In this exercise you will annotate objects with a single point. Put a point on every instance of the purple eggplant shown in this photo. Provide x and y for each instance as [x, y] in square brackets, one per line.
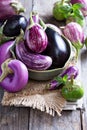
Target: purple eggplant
[58, 48]
[67, 74]
[13, 76]
[13, 25]
[5, 51]
[74, 32]
[32, 60]
[36, 37]
[70, 71]
[9, 8]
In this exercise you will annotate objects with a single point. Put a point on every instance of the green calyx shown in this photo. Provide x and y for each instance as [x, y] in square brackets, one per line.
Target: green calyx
[5, 69]
[78, 45]
[3, 38]
[63, 10]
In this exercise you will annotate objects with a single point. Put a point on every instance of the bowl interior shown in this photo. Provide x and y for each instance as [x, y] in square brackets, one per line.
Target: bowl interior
[49, 74]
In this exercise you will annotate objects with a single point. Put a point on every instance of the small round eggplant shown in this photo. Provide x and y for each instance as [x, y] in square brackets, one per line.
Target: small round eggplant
[72, 91]
[14, 25]
[58, 48]
[16, 78]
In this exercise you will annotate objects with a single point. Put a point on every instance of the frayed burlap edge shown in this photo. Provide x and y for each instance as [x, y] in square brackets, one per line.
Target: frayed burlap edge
[36, 96]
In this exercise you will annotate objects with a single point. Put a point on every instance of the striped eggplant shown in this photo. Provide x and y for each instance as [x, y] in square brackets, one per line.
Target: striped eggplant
[32, 60]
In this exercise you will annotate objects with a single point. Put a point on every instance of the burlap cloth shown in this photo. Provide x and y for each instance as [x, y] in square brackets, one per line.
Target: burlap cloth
[35, 95]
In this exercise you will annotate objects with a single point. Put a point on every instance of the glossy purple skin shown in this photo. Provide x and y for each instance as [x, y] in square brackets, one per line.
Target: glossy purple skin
[18, 80]
[5, 51]
[73, 31]
[84, 2]
[54, 27]
[32, 60]
[5, 9]
[71, 71]
[36, 39]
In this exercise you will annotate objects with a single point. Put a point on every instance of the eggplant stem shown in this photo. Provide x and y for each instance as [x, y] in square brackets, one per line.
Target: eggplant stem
[72, 79]
[18, 7]
[62, 2]
[31, 22]
[5, 69]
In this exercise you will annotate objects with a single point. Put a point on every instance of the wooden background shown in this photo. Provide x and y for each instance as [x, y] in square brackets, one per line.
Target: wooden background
[12, 118]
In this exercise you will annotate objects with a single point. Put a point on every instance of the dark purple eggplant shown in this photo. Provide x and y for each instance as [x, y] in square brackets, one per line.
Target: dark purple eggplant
[58, 48]
[14, 25]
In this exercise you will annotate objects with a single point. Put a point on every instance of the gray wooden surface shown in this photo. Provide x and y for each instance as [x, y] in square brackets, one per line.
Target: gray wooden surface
[12, 118]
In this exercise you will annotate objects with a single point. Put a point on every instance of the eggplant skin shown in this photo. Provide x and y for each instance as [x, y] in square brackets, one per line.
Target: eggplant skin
[14, 24]
[58, 48]
[32, 60]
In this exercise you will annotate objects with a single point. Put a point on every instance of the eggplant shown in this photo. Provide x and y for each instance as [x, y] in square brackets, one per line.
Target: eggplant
[35, 36]
[70, 72]
[13, 75]
[58, 48]
[32, 60]
[9, 8]
[14, 25]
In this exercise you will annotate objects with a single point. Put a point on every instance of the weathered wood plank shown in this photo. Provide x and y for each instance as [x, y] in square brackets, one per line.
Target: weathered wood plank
[84, 81]
[41, 121]
[12, 118]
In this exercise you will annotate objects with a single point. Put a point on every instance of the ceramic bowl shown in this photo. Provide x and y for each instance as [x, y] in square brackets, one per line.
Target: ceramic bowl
[50, 74]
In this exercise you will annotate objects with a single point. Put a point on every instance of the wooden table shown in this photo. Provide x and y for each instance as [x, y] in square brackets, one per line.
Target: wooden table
[13, 118]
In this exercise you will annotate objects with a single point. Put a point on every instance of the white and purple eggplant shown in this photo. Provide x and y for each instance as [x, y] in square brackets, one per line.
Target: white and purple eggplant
[36, 18]
[35, 37]
[13, 75]
[32, 60]
[9, 8]
[67, 74]
[74, 32]
[5, 51]
[84, 3]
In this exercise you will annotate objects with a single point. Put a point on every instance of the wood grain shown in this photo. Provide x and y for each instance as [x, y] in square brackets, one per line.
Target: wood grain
[70, 120]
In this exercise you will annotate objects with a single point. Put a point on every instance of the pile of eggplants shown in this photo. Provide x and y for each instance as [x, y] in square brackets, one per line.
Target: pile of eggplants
[32, 45]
